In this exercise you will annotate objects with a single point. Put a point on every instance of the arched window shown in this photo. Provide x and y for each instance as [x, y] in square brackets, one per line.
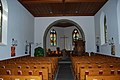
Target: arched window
[105, 28]
[53, 38]
[1, 11]
[3, 22]
[118, 16]
[75, 35]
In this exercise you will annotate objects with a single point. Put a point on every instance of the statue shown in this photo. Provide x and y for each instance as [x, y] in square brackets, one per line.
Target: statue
[112, 46]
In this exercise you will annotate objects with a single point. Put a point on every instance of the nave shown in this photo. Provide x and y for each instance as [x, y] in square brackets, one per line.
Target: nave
[65, 72]
[93, 67]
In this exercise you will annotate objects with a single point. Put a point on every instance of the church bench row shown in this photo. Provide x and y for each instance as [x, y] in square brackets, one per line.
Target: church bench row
[52, 68]
[30, 66]
[30, 61]
[94, 65]
[50, 63]
[92, 62]
[53, 61]
[98, 72]
[37, 60]
[26, 72]
[34, 59]
[96, 55]
[100, 66]
[14, 59]
[27, 66]
[94, 58]
[90, 66]
[7, 77]
[102, 77]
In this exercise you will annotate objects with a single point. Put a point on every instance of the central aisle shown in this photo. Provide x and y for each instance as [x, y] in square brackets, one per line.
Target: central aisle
[65, 72]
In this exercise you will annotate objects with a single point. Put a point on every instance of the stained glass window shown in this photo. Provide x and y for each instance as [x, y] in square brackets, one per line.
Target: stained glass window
[105, 29]
[1, 10]
[75, 35]
[53, 38]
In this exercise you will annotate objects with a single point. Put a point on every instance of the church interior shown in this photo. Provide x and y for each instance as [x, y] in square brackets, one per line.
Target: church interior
[59, 39]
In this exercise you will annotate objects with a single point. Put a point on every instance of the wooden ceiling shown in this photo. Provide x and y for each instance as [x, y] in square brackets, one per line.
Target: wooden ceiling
[47, 8]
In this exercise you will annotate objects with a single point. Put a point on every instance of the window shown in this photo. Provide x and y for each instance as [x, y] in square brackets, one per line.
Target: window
[75, 35]
[105, 29]
[1, 11]
[118, 16]
[3, 22]
[53, 38]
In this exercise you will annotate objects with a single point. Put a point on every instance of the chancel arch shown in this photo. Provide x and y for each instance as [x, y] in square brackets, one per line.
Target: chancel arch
[64, 29]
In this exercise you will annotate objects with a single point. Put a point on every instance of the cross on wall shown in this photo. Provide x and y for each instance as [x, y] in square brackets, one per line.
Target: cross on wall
[64, 38]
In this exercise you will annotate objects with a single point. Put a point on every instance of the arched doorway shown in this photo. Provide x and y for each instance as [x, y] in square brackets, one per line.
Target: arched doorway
[70, 22]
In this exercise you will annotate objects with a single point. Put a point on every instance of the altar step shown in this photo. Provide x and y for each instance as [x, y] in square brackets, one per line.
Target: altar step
[64, 60]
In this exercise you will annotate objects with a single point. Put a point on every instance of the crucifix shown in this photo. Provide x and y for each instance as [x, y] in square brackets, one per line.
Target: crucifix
[64, 37]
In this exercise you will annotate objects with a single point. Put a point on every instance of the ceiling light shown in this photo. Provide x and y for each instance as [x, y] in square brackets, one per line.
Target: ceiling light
[51, 12]
[76, 11]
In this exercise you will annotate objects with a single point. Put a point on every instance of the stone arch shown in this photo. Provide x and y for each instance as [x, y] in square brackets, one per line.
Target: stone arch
[57, 21]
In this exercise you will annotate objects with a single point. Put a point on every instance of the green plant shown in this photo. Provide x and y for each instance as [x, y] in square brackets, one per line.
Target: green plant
[39, 51]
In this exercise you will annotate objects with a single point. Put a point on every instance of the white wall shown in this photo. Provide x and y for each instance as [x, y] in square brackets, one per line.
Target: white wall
[110, 9]
[20, 27]
[86, 23]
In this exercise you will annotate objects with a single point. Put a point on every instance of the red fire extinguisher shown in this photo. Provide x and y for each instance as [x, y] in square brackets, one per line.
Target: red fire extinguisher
[13, 47]
[12, 50]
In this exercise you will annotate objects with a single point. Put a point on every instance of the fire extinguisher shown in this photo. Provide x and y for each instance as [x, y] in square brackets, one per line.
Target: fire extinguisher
[12, 50]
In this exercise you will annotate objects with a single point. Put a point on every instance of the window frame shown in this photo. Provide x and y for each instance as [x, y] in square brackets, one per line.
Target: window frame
[1, 20]
[53, 37]
[4, 22]
[73, 40]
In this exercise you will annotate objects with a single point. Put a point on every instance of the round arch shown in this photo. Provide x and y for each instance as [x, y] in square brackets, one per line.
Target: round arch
[57, 21]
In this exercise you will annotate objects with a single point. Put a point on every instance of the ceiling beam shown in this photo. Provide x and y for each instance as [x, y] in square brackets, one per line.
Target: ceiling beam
[86, 0]
[59, 1]
[41, 1]
[52, 15]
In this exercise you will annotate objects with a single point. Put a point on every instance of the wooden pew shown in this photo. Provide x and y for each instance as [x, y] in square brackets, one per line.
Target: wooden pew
[30, 66]
[95, 61]
[50, 62]
[26, 72]
[112, 77]
[100, 66]
[34, 63]
[13, 77]
[98, 72]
